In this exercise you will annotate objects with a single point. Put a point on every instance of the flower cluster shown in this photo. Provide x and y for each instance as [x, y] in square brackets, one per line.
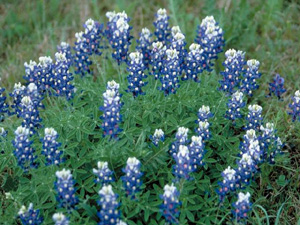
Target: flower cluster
[194, 63]
[228, 184]
[44, 79]
[103, 173]
[242, 206]
[254, 118]
[118, 35]
[132, 179]
[162, 29]
[144, 46]
[23, 150]
[65, 48]
[171, 204]
[203, 129]
[30, 114]
[183, 166]
[17, 95]
[50, 147]
[246, 168]
[81, 59]
[157, 58]
[178, 43]
[111, 117]
[62, 76]
[65, 189]
[31, 71]
[295, 106]
[277, 86]
[197, 152]
[109, 213]
[211, 38]
[250, 76]
[170, 72]
[136, 74]
[181, 139]
[235, 104]
[234, 63]
[158, 136]
[60, 219]
[3, 105]
[29, 216]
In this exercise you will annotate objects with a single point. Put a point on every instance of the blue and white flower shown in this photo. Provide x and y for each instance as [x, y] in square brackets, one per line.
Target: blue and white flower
[30, 216]
[103, 173]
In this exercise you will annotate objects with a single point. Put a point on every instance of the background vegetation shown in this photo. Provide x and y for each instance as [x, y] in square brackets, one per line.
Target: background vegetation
[268, 31]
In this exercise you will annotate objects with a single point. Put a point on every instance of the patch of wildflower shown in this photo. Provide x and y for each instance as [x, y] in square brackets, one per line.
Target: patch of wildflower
[211, 38]
[184, 164]
[23, 152]
[136, 75]
[44, 80]
[235, 104]
[242, 206]
[30, 216]
[234, 63]
[229, 183]
[93, 34]
[204, 113]
[64, 187]
[194, 63]
[170, 73]
[132, 178]
[157, 59]
[295, 106]
[109, 213]
[197, 152]
[277, 86]
[170, 206]
[111, 117]
[103, 173]
[181, 138]
[60, 219]
[144, 46]
[158, 136]
[81, 58]
[254, 117]
[249, 137]
[161, 24]
[246, 168]
[178, 43]
[250, 77]
[203, 130]
[17, 95]
[50, 147]
[111, 23]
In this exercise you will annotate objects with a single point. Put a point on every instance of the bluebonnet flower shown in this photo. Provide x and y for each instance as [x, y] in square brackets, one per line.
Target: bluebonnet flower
[181, 139]
[229, 183]
[178, 43]
[103, 173]
[170, 206]
[197, 152]
[121, 40]
[267, 136]
[162, 29]
[254, 118]
[60, 219]
[23, 152]
[157, 59]
[158, 136]
[29, 216]
[255, 151]
[30, 114]
[17, 95]
[3, 105]
[31, 72]
[34, 94]
[109, 213]
[204, 113]
[242, 206]
[184, 164]
[132, 178]
[44, 80]
[111, 24]
[65, 189]
[136, 75]
[203, 130]
[144, 46]
[170, 72]
[62, 77]
[211, 38]
[50, 147]
[234, 63]
[65, 48]
[277, 86]
[93, 36]
[194, 63]
[250, 76]
[295, 106]
[276, 150]
[246, 168]
[111, 117]
[249, 137]
[235, 104]
[81, 58]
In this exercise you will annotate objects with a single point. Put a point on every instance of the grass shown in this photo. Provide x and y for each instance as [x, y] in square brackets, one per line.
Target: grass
[268, 31]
